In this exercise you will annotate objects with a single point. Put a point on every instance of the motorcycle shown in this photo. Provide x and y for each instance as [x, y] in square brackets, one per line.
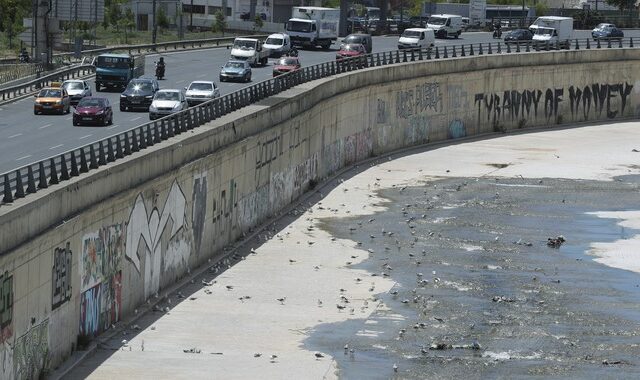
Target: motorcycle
[159, 71]
[497, 32]
[24, 57]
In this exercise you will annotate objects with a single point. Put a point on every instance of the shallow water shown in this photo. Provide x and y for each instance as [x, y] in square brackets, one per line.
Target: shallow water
[535, 311]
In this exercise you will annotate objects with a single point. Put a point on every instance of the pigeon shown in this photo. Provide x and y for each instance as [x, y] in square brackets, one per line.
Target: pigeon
[318, 355]
[340, 307]
[282, 300]
[257, 355]
[346, 348]
[395, 366]
[229, 287]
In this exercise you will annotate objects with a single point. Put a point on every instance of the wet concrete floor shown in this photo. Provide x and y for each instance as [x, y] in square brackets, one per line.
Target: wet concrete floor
[478, 292]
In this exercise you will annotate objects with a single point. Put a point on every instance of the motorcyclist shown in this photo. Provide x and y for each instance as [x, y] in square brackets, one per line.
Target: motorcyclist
[24, 56]
[160, 66]
[497, 30]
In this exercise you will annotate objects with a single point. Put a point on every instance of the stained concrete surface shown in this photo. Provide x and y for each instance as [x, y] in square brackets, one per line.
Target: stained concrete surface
[497, 301]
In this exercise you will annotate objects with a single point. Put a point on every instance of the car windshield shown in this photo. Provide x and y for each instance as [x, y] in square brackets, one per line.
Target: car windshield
[288, 61]
[544, 31]
[113, 62]
[50, 93]
[139, 86]
[437, 20]
[604, 26]
[201, 87]
[244, 44]
[274, 41]
[353, 40]
[411, 34]
[86, 102]
[73, 86]
[167, 95]
[299, 26]
[234, 65]
[351, 47]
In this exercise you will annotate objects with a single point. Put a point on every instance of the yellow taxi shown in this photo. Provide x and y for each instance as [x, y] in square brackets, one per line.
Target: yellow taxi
[52, 99]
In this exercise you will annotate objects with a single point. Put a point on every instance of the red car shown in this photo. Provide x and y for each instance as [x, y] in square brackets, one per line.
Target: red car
[285, 65]
[350, 51]
[93, 111]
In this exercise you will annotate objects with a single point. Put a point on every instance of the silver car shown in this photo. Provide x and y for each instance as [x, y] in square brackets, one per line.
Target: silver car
[201, 91]
[77, 89]
[166, 102]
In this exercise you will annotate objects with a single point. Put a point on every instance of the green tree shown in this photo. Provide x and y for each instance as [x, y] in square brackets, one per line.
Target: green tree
[127, 23]
[257, 23]
[220, 23]
[622, 4]
[541, 9]
[163, 20]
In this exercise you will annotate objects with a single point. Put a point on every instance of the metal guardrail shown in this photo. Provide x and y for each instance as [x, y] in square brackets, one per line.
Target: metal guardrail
[55, 169]
[11, 72]
[11, 92]
[161, 46]
[22, 89]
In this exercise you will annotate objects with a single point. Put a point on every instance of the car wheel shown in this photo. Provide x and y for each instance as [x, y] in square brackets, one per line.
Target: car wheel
[122, 108]
[35, 112]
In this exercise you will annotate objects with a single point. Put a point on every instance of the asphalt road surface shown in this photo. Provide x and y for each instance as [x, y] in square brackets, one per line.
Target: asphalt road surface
[26, 138]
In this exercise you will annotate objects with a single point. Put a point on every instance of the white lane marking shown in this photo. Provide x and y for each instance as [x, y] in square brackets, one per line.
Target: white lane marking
[136, 118]
[113, 126]
[14, 136]
[56, 147]
[70, 117]
[180, 81]
[84, 137]
[23, 158]
[45, 126]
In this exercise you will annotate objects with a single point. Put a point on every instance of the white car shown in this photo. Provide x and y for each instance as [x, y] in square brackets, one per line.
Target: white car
[278, 43]
[201, 91]
[77, 89]
[166, 102]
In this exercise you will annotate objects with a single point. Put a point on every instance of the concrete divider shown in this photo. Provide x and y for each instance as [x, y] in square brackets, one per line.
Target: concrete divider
[78, 257]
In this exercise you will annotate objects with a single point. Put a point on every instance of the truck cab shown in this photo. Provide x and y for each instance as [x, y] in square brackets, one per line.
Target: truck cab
[250, 50]
[313, 26]
[116, 70]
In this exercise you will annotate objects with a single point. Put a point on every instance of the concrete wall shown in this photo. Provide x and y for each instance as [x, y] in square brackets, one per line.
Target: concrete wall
[78, 257]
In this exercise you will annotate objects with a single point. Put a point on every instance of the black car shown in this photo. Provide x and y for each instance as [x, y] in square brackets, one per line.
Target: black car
[607, 32]
[138, 94]
[518, 36]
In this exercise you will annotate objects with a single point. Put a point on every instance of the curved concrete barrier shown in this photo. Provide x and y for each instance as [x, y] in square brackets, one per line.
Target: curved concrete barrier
[78, 257]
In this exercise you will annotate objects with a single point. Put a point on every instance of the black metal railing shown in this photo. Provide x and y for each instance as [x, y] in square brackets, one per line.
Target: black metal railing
[28, 179]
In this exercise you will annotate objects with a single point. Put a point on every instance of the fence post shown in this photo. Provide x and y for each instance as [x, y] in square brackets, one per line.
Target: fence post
[19, 187]
[8, 196]
[42, 180]
[53, 173]
[31, 182]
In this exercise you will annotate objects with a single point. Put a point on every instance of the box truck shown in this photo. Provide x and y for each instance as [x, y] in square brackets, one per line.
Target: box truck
[313, 26]
[552, 30]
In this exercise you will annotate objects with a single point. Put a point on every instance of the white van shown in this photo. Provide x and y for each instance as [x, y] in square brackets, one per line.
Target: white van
[278, 43]
[416, 38]
[445, 25]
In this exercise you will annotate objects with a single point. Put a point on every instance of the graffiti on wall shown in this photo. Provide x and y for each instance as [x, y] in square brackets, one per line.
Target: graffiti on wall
[101, 279]
[425, 97]
[6, 306]
[145, 231]
[457, 98]
[381, 112]
[417, 129]
[456, 129]
[61, 276]
[101, 306]
[30, 352]
[199, 208]
[585, 102]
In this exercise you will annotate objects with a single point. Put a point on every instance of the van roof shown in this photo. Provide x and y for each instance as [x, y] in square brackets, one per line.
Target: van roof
[446, 15]
[417, 29]
[555, 18]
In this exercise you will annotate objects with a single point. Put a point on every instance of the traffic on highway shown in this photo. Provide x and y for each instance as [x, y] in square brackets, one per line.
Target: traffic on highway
[38, 128]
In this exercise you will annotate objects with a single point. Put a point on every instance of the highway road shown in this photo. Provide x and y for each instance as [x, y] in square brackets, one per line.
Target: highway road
[26, 138]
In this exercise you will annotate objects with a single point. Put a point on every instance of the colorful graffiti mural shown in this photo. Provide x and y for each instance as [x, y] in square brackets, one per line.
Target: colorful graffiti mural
[100, 301]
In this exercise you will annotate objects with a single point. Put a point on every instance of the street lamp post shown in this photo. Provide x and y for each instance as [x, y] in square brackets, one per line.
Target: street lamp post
[154, 32]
